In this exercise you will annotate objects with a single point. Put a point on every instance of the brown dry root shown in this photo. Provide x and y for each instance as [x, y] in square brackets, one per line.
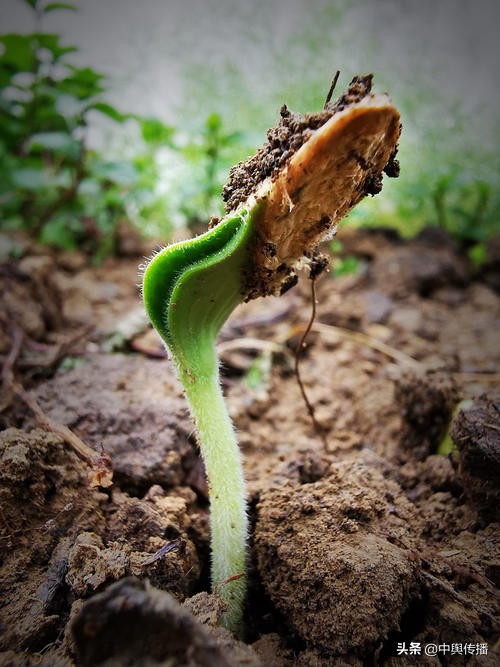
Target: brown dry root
[312, 171]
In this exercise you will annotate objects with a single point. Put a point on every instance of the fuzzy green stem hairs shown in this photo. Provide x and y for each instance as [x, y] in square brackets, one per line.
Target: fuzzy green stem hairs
[190, 289]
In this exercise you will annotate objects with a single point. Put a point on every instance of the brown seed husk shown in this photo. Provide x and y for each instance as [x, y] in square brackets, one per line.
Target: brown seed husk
[344, 150]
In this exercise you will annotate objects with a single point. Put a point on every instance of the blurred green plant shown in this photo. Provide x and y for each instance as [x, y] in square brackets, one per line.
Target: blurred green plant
[343, 264]
[53, 184]
[64, 192]
[201, 156]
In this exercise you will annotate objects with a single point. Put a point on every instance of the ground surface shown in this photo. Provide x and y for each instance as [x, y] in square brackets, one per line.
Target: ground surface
[363, 539]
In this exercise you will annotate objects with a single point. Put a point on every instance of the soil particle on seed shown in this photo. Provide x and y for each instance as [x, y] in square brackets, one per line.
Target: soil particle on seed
[326, 561]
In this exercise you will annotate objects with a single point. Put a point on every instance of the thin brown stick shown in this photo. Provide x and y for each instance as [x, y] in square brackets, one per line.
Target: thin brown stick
[310, 408]
[368, 341]
[99, 462]
[224, 582]
[54, 352]
[332, 88]
[165, 549]
[250, 343]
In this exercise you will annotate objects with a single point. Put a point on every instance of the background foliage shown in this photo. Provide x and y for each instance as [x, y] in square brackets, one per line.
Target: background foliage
[70, 191]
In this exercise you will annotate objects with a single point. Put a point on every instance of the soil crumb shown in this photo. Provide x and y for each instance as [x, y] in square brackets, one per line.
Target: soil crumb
[333, 591]
[476, 432]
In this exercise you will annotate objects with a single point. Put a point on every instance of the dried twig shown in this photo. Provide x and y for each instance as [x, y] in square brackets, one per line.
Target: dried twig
[331, 331]
[55, 352]
[165, 549]
[249, 343]
[99, 462]
[224, 582]
[473, 376]
[332, 88]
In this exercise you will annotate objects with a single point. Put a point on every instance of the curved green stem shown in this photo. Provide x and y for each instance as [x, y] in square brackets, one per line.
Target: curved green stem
[190, 289]
[228, 518]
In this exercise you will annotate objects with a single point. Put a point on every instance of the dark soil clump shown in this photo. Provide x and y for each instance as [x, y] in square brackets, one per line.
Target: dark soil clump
[476, 432]
[358, 573]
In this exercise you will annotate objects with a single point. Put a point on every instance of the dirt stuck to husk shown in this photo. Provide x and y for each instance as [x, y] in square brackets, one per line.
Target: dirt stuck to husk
[311, 172]
[289, 134]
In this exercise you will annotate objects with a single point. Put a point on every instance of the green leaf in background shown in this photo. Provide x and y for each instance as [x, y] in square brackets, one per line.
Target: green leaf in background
[117, 172]
[70, 106]
[62, 232]
[18, 51]
[60, 143]
[213, 122]
[109, 111]
[53, 6]
[52, 43]
[83, 82]
[153, 131]
[31, 178]
[478, 254]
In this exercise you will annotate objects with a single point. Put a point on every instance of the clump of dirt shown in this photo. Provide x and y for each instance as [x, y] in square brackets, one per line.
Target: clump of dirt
[346, 594]
[131, 408]
[74, 540]
[44, 497]
[30, 297]
[427, 401]
[404, 271]
[134, 623]
[476, 433]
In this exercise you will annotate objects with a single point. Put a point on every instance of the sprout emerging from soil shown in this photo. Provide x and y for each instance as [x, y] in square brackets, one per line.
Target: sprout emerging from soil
[281, 204]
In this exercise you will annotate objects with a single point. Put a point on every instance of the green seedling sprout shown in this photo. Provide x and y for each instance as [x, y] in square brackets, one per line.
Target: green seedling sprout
[190, 289]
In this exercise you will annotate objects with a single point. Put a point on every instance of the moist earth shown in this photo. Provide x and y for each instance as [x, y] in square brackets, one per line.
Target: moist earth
[378, 533]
